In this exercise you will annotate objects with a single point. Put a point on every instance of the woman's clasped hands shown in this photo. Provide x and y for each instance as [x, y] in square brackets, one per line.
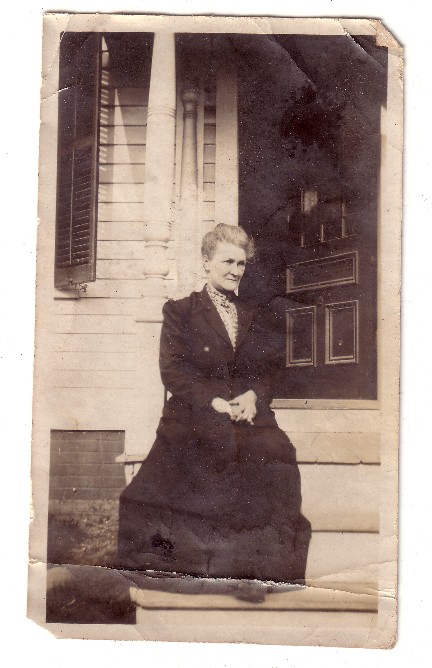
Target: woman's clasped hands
[241, 408]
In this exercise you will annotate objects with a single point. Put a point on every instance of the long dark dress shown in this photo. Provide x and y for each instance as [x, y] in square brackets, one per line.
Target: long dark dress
[216, 498]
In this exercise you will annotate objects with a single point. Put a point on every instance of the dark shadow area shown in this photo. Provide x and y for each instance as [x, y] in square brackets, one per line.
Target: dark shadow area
[88, 595]
[83, 586]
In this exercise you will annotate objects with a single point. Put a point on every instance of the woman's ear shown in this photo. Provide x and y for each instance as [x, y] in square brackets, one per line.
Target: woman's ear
[205, 261]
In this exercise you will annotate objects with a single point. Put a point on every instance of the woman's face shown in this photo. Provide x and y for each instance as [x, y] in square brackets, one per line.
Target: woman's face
[226, 267]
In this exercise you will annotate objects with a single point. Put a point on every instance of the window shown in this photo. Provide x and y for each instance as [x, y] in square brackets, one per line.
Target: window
[77, 172]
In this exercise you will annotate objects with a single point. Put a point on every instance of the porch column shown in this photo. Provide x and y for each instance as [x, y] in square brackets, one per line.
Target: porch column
[159, 171]
[157, 218]
[188, 210]
[227, 159]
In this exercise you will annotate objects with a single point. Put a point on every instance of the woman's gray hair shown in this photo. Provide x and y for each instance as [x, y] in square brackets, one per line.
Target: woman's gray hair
[227, 234]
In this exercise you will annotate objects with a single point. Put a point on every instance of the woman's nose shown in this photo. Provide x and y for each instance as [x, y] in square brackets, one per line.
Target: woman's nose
[236, 271]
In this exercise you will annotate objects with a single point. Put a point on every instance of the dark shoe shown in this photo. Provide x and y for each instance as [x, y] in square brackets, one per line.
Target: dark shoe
[251, 592]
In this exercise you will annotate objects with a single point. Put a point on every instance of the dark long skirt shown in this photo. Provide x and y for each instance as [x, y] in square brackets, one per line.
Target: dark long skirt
[224, 502]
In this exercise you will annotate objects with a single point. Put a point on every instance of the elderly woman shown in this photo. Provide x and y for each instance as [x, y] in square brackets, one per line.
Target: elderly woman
[219, 493]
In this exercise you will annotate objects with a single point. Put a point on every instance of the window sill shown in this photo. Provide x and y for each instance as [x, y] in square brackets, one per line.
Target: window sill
[67, 293]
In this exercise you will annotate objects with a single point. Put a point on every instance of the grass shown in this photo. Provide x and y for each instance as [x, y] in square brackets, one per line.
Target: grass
[83, 585]
[83, 532]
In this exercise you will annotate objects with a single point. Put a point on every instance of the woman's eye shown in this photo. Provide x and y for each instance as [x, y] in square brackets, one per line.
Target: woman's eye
[239, 264]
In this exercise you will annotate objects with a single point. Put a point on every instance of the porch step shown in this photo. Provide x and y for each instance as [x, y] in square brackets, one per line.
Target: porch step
[271, 627]
[340, 598]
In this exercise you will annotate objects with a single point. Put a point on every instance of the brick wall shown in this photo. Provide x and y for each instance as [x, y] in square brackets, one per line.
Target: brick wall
[83, 466]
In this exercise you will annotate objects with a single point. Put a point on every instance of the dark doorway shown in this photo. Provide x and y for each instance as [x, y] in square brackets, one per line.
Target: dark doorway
[309, 145]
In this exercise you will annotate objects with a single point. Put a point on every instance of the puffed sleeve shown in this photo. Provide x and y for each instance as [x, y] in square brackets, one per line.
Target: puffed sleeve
[179, 375]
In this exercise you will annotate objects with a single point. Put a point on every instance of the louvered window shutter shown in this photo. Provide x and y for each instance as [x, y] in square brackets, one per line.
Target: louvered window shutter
[77, 175]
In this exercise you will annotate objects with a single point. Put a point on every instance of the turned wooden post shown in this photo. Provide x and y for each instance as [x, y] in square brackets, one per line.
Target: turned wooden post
[188, 209]
[159, 169]
[157, 218]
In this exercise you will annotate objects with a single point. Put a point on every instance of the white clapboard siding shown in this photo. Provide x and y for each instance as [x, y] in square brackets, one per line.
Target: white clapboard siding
[208, 209]
[120, 230]
[209, 133]
[122, 154]
[124, 96]
[121, 211]
[121, 250]
[209, 154]
[126, 269]
[123, 134]
[341, 555]
[85, 342]
[209, 157]
[122, 173]
[121, 192]
[102, 378]
[136, 115]
[210, 115]
[331, 447]
[341, 496]
[209, 173]
[94, 342]
[117, 288]
[360, 579]
[120, 78]
[92, 361]
[89, 306]
[351, 420]
[94, 323]
[359, 521]
[208, 192]
[103, 408]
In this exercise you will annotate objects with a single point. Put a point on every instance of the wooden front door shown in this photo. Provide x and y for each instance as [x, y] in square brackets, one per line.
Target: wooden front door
[330, 299]
[309, 146]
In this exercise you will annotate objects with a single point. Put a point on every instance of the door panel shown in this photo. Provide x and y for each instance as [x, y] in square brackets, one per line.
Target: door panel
[331, 280]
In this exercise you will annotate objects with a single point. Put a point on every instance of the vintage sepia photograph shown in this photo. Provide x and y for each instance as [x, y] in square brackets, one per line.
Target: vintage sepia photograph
[216, 388]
